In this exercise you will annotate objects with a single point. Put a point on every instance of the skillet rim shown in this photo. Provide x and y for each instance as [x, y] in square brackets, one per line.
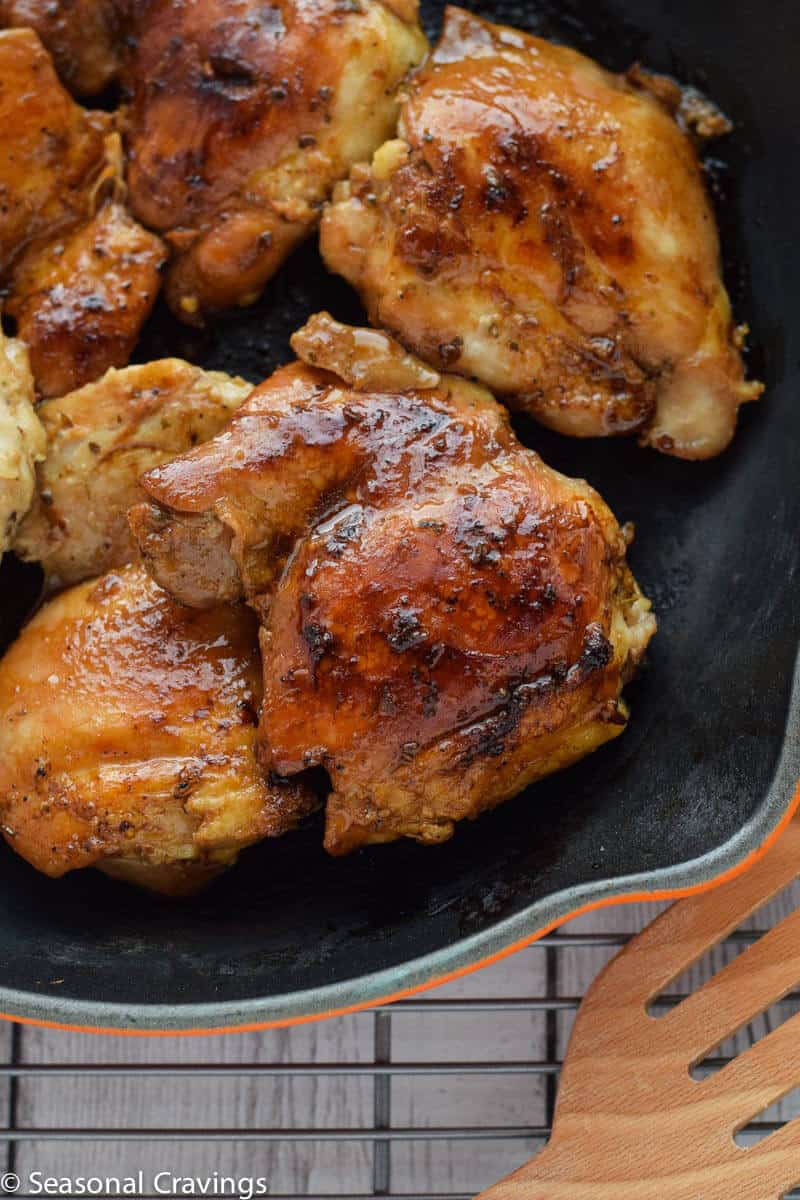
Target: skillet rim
[463, 956]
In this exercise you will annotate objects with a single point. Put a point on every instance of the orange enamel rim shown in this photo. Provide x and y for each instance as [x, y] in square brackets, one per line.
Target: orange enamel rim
[449, 977]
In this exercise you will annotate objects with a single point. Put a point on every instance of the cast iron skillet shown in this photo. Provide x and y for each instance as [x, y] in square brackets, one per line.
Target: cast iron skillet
[707, 768]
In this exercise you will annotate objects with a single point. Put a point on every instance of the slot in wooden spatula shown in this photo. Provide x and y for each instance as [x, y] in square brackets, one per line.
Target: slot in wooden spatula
[631, 1123]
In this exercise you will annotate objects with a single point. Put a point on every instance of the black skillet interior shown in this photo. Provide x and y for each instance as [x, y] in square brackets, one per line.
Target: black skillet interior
[717, 549]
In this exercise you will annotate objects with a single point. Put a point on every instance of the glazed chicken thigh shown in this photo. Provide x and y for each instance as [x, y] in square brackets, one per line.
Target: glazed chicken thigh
[79, 275]
[127, 738]
[444, 618]
[243, 114]
[542, 225]
[85, 37]
[100, 439]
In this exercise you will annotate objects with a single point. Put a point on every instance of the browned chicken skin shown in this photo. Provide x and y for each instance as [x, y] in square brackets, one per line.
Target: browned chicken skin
[100, 439]
[542, 225]
[444, 618]
[243, 115]
[127, 738]
[83, 36]
[79, 274]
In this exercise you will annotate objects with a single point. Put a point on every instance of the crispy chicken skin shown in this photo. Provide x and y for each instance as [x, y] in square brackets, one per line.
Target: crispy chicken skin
[243, 114]
[80, 275]
[100, 439]
[83, 36]
[22, 438]
[127, 737]
[542, 225]
[444, 618]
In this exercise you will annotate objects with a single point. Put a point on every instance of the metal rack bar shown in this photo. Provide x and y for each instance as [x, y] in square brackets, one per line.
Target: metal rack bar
[551, 1032]
[382, 1104]
[455, 1133]
[13, 1098]
[542, 1004]
[379, 1070]
[614, 941]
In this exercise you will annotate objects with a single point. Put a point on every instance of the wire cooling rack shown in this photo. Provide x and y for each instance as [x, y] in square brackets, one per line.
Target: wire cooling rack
[411, 1065]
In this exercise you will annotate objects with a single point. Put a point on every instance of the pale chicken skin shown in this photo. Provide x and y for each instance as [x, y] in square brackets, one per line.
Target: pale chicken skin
[100, 439]
[79, 275]
[85, 37]
[243, 114]
[542, 225]
[127, 738]
[22, 438]
[444, 619]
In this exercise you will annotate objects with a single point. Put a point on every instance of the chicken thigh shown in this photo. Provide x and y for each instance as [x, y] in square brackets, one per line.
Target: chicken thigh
[127, 737]
[22, 439]
[79, 274]
[243, 114]
[542, 226]
[85, 37]
[444, 618]
[99, 441]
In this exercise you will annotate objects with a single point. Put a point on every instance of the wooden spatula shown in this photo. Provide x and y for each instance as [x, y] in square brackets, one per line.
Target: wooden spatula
[631, 1123]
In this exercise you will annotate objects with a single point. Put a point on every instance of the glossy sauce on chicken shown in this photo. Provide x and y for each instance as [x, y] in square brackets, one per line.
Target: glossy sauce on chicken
[444, 618]
[77, 273]
[243, 114]
[85, 37]
[127, 737]
[542, 225]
